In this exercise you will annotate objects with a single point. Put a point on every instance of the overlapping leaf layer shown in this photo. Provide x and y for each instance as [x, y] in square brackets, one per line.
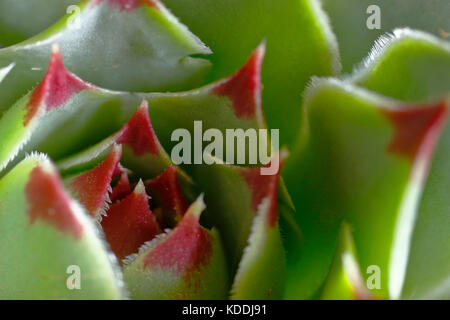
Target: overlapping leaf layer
[91, 197]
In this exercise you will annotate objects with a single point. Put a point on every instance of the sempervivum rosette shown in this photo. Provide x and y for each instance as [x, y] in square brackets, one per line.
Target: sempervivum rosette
[106, 191]
[146, 208]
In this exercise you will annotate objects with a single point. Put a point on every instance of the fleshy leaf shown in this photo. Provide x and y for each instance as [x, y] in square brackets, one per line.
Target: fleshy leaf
[344, 280]
[138, 133]
[121, 189]
[142, 150]
[299, 40]
[249, 222]
[101, 113]
[19, 122]
[92, 188]
[20, 20]
[408, 65]
[81, 120]
[220, 105]
[166, 194]
[4, 71]
[419, 62]
[428, 269]
[130, 5]
[357, 162]
[58, 86]
[358, 15]
[151, 42]
[262, 269]
[130, 223]
[186, 263]
[244, 87]
[48, 238]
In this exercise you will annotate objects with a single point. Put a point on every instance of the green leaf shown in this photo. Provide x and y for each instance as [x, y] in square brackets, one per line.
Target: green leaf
[349, 20]
[89, 173]
[45, 236]
[61, 121]
[363, 158]
[409, 65]
[142, 150]
[299, 44]
[344, 280]
[92, 188]
[4, 71]
[185, 263]
[428, 272]
[412, 66]
[20, 20]
[249, 226]
[142, 49]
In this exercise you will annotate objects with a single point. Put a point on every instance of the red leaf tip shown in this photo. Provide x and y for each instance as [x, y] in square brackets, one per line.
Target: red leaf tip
[186, 249]
[93, 186]
[244, 87]
[265, 187]
[58, 85]
[140, 188]
[416, 127]
[129, 5]
[138, 133]
[48, 201]
[130, 223]
[166, 193]
[196, 209]
[121, 189]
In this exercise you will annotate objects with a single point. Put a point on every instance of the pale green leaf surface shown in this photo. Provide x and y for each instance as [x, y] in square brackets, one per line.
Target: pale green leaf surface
[345, 169]
[349, 21]
[152, 52]
[36, 255]
[299, 44]
[38, 15]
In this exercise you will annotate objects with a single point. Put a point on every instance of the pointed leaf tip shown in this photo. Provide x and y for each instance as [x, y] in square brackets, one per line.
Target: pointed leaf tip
[92, 187]
[139, 134]
[49, 202]
[129, 5]
[166, 193]
[140, 188]
[345, 280]
[197, 207]
[416, 127]
[187, 248]
[121, 189]
[4, 71]
[58, 85]
[130, 223]
[265, 186]
[187, 262]
[244, 87]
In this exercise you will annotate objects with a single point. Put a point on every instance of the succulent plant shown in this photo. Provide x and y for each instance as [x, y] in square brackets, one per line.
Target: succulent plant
[88, 184]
